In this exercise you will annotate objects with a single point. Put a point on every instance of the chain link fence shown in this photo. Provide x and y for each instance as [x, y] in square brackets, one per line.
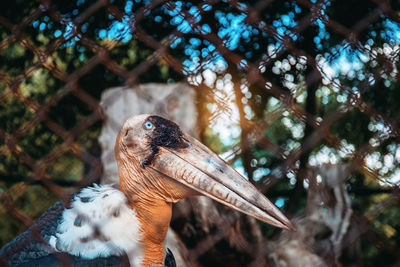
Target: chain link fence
[302, 87]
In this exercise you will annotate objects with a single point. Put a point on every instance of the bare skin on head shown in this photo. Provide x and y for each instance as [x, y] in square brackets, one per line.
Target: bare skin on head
[159, 165]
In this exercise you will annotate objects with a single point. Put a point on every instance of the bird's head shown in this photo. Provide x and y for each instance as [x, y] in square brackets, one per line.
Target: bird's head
[158, 162]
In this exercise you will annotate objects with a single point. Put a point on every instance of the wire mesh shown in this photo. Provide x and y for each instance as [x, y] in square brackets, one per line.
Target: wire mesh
[298, 100]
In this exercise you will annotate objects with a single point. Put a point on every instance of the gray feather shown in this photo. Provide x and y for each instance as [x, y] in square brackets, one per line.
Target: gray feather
[33, 243]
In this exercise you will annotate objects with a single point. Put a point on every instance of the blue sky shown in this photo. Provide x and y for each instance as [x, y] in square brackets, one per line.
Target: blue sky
[233, 28]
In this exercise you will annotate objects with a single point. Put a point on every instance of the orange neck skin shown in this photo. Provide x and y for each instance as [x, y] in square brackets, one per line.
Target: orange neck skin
[151, 196]
[153, 213]
[154, 218]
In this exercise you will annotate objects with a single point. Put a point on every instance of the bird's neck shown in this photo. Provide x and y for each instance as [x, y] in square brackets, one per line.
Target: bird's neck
[154, 217]
[151, 197]
[153, 213]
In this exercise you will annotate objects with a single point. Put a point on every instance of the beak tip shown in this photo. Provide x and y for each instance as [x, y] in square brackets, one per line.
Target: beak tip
[284, 222]
[290, 226]
[287, 227]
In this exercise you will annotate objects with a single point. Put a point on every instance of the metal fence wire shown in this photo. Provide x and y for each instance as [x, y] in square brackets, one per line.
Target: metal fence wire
[307, 88]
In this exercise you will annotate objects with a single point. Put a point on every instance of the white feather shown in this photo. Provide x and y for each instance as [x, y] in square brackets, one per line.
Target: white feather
[99, 224]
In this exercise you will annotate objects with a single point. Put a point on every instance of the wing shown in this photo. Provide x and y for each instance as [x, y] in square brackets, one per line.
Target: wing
[33, 243]
[54, 260]
[169, 259]
[64, 259]
[93, 225]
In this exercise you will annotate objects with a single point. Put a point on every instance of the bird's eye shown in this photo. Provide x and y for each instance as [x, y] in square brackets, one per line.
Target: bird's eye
[148, 125]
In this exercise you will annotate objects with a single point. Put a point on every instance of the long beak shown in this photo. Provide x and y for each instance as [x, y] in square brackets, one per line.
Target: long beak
[202, 170]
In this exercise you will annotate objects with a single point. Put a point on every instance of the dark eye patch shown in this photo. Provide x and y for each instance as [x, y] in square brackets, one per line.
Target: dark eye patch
[166, 134]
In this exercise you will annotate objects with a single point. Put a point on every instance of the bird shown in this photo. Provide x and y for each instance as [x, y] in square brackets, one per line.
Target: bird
[158, 165]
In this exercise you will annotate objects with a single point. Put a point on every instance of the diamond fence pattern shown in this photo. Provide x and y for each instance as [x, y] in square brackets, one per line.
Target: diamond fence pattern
[48, 130]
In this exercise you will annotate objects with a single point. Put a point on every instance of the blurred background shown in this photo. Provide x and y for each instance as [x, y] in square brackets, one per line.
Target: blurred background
[302, 97]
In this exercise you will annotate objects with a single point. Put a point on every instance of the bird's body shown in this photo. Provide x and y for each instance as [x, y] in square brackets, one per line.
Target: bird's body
[101, 226]
[93, 227]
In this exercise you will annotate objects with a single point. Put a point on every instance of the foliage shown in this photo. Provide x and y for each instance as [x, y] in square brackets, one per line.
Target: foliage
[373, 79]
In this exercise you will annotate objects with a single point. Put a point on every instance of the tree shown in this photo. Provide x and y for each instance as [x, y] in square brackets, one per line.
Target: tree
[281, 69]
